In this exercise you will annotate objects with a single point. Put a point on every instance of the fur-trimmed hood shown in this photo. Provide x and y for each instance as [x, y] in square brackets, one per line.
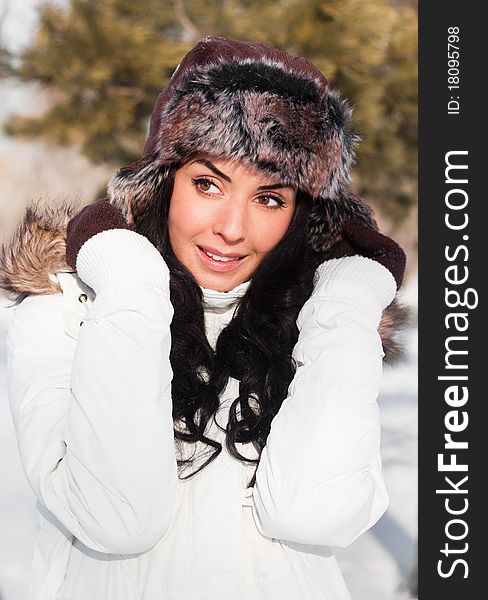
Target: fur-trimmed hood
[36, 249]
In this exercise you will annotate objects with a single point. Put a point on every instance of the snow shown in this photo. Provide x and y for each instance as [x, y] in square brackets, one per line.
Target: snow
[378, 566]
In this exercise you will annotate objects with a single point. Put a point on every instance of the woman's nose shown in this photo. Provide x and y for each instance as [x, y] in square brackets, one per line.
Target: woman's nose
[230, 222]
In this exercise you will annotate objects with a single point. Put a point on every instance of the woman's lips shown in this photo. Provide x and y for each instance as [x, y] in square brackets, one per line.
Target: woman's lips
[216, 265]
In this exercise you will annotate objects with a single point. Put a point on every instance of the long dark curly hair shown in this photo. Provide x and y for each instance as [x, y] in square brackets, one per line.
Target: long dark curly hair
[255, 347]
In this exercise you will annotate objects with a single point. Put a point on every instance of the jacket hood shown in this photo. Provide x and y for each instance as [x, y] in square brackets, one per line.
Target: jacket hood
[38, 248]
[35, 249]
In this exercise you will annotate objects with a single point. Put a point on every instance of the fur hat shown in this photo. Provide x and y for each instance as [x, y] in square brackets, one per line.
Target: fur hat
[258, 105]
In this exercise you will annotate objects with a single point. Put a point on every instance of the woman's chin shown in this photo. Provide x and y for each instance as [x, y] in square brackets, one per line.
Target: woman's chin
[218, 284]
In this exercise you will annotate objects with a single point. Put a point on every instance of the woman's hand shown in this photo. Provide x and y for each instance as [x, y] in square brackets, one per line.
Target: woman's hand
[360, 239]
[92, 219]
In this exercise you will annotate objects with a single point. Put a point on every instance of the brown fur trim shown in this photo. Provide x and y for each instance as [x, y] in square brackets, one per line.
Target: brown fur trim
[395, 321]
[327, 218]
[37, 248]
[135, 188]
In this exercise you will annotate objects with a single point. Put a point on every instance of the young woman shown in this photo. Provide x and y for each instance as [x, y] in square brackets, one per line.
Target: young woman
[194, 366]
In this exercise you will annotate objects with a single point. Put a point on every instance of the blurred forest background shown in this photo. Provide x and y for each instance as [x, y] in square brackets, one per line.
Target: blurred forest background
[98, 66]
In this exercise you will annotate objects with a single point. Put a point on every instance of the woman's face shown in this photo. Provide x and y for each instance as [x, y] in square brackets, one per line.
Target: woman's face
[229, 210]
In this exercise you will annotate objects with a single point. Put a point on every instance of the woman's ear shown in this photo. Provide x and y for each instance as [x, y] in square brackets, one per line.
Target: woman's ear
[133, 189]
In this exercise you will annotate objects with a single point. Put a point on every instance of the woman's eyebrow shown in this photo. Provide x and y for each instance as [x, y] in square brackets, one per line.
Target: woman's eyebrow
[212, 167]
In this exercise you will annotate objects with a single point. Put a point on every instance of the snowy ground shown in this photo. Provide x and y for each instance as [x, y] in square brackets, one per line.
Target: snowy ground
[377, 566]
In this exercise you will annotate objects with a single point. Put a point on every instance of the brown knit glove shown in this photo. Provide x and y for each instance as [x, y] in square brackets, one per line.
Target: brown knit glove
[92, 219]
[361, 239]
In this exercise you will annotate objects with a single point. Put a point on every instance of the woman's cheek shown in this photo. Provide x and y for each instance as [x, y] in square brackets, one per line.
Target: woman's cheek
[270, 231]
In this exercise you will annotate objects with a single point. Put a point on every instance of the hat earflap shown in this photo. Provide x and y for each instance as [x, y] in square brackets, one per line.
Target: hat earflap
[327, 217]
[133, 189]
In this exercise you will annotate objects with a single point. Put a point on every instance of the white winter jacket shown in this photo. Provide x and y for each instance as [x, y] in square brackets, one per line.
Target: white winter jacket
[90, 391]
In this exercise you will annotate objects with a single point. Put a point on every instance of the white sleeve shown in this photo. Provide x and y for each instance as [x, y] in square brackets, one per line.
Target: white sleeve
[94, 418]
[319, 480]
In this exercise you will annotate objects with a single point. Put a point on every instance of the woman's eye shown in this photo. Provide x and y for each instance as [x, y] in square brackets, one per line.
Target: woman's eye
[204, 185]
[270, 201]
